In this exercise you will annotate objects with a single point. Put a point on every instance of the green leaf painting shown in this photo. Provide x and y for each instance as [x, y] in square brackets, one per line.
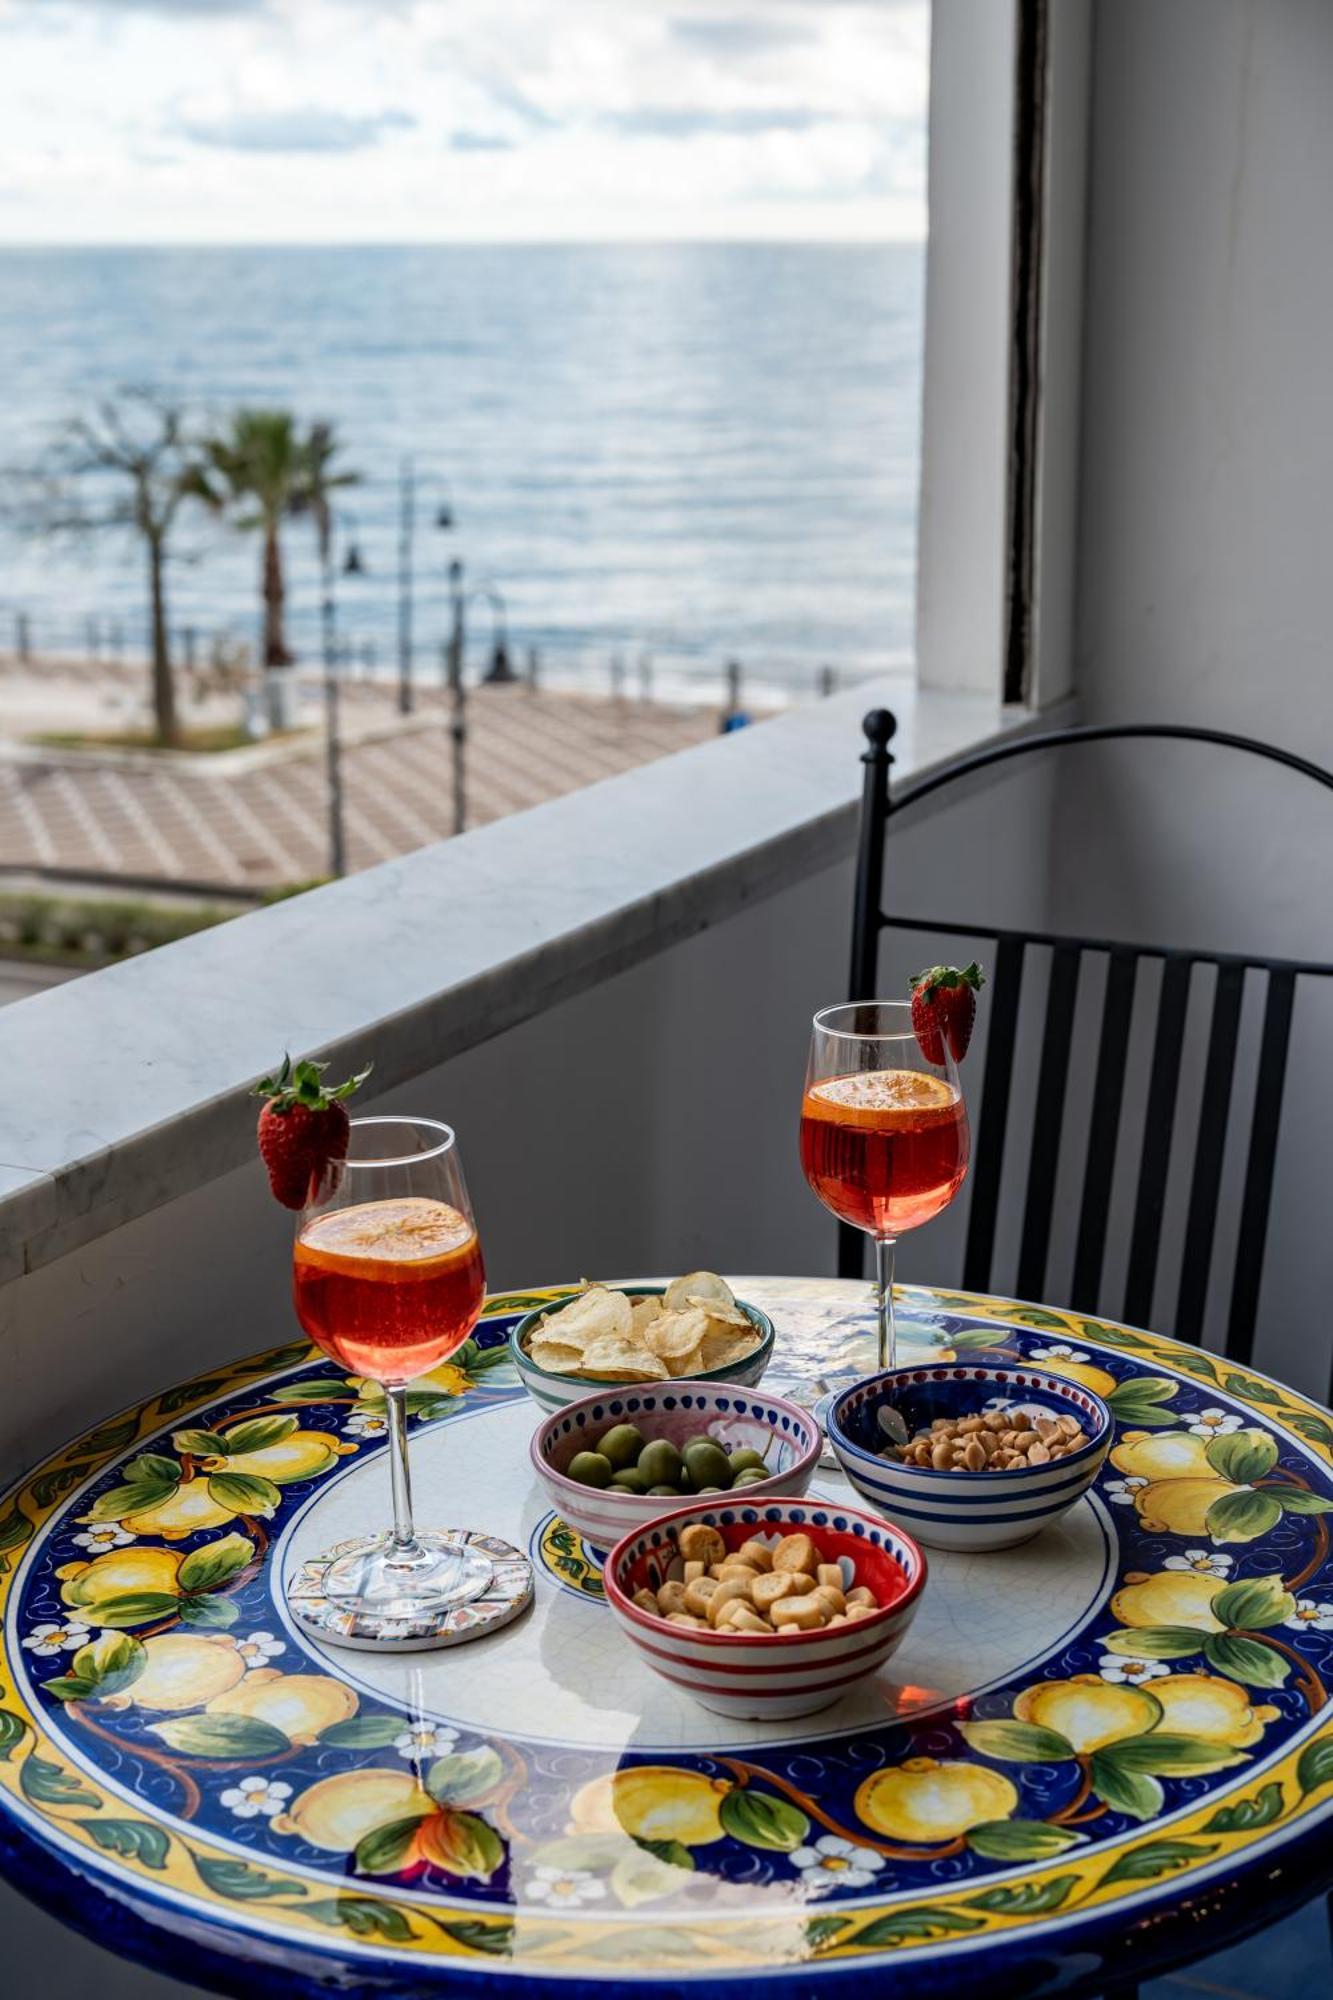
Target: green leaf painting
[1021, 1840]
[1246, 1660]
[233, 1736]
[1253, 1604]
[1247, 1814]
[1242, 1517]
[132, 1839]
[1242, 1457]
[760, 1820]
[1018, 1742]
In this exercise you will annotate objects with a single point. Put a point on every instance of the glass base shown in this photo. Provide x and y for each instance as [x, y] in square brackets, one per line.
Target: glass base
[375, 1580]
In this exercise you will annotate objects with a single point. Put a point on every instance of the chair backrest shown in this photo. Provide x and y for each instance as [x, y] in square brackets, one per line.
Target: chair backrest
[1178, 1002]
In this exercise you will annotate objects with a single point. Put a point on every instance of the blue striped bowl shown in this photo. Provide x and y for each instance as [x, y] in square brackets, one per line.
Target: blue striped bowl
[965, 1510]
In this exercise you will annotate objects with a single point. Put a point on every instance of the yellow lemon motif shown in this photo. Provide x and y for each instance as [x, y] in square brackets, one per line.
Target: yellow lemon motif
[1162, 1455]
[118, 1573]
[652, 1803]
[1217, 1711]
[447, 1380]
[1180, 1506]
[190, 1508]
[300, 1705]
[1088, 1711]
[1171, 1597]
[928, 1801]
[300, 1456]
[182, 1670]
[1096, 1379]
[338, 1813]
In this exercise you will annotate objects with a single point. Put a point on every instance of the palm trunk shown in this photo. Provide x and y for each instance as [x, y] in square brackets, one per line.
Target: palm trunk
[275, 643]
[164, 687]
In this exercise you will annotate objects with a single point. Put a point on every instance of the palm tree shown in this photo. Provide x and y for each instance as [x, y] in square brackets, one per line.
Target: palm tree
[262, 470]
[133, 459]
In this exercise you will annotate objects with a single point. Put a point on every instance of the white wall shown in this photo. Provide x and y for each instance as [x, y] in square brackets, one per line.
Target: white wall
[1205, 572]
[1206, 567]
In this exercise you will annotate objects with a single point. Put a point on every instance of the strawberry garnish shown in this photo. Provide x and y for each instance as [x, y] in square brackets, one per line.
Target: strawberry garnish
[303, 1128]
[944, 1006]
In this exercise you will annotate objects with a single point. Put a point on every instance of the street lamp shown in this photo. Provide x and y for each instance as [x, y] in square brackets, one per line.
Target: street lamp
[352, 565]
[407, 522]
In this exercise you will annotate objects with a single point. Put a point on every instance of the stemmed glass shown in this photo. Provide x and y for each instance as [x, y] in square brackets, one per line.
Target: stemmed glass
[884, 1133]
[388, 1279]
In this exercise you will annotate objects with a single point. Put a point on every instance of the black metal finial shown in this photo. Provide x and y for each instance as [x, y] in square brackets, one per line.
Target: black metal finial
[880, 726]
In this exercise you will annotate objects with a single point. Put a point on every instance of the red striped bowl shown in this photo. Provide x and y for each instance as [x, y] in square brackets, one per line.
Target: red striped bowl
[760, 1676]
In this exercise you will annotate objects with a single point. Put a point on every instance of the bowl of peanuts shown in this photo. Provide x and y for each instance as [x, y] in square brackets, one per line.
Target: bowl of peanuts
[765, 1610]
[993, 1454]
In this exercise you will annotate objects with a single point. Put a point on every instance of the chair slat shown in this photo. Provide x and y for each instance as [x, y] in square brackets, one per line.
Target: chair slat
[1103, 1131]
[1049, 1118]
[1257, 1197]
[989, 1156]
[1163, 1084]
[1214, 1118]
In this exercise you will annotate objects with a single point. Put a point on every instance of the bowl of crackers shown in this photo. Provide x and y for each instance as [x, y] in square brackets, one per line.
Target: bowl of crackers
[693, 1328]
[765, 1609]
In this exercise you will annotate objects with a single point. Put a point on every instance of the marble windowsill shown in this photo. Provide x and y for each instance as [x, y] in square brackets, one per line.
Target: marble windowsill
[126, 1089]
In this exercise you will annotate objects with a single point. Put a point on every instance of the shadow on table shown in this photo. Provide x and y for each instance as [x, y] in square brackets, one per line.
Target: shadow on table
[1294, 1958]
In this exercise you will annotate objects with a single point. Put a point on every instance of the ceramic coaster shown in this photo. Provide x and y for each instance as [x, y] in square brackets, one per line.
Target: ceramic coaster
[505, 1598]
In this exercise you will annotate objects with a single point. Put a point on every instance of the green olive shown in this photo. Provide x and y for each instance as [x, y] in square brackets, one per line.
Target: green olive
[665, 1489]
[751, 1476]
[621, 1445]
[659, 1462]
[628, 1480]
[590, 1469]
[707, 1465]
[744, 1459]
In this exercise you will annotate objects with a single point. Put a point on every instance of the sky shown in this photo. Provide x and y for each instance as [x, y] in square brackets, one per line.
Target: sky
[360, 121]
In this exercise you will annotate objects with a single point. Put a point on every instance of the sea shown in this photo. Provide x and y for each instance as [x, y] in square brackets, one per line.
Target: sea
[653, 459]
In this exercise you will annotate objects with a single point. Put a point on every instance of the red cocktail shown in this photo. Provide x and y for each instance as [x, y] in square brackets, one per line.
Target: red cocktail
[885, 1150]
[387, 1277]
[884, 1136]
[389, 1288]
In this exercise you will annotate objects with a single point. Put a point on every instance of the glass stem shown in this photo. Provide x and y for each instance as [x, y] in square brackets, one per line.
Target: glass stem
[404, 1534]
[888, 1331]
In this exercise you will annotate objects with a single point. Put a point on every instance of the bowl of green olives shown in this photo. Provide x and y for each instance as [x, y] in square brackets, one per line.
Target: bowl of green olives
[636, 1450]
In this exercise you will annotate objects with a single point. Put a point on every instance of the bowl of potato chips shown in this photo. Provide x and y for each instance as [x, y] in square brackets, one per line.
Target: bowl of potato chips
[694, 1327]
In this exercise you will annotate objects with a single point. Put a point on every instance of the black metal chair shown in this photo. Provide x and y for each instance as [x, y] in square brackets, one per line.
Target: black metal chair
[1016, 960]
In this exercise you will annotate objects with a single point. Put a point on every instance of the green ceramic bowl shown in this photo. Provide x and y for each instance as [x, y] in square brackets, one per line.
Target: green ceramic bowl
[552, 1392]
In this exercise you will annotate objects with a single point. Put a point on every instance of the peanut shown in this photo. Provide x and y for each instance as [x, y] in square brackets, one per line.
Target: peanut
[992, 1440]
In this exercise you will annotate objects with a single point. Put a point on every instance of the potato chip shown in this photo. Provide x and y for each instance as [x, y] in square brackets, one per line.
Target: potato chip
[725, 1315]
[554, 1356]
[674, 1334]
[642, 1314]
[593, 1315]
[724, 1345]
[613, 1359]
[697, 1285]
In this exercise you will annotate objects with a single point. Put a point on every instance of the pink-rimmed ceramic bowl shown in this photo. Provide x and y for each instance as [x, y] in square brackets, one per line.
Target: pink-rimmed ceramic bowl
[758, 1676]
[786, 1437]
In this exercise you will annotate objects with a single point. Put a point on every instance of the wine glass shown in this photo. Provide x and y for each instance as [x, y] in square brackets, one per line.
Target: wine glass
[884, 1133]
[388, 1279]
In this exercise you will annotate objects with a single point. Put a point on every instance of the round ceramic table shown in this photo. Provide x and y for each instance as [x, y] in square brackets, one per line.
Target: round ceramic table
[1106, 1751]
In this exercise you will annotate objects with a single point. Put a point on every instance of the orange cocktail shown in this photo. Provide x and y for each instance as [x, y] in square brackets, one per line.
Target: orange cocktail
[389, 1288]
[885, 1150]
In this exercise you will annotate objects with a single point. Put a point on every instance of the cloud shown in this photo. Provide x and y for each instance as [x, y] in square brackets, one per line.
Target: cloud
[737, 34]
[301, 129]
[479, 142]
[664, 121]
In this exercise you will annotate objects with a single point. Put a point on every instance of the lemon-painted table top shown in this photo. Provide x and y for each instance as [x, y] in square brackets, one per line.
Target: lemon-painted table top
[1113, 1745]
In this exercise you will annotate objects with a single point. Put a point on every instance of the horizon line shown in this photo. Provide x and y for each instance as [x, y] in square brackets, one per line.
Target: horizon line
[475, 243]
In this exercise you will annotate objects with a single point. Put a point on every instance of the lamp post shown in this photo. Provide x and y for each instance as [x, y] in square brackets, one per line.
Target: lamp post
[407, 523]
[453, 655]
[352, 565]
